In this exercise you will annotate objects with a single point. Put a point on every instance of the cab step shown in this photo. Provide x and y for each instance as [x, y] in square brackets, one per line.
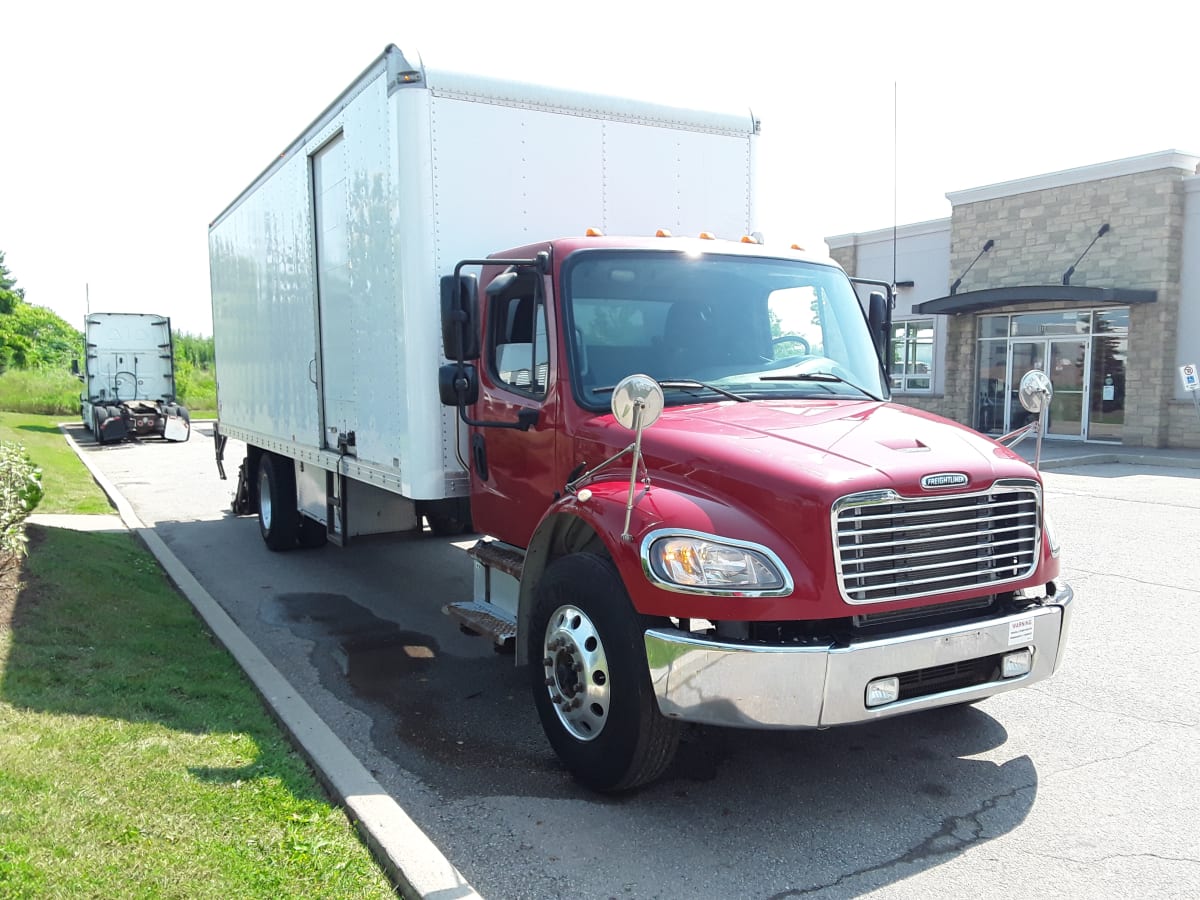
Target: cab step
[499, 556]
[483, 618]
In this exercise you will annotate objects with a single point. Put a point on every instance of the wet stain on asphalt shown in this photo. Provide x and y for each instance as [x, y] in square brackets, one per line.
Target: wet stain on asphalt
[466, 722]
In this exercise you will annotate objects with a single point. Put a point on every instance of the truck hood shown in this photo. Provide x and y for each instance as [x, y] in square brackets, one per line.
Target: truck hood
[832, 447]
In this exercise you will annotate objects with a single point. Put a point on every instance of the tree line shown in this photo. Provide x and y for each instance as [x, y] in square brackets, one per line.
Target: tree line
[35, 338]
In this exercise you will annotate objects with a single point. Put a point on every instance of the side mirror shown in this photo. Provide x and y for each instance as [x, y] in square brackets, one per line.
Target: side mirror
[460, 317]
[877, 320]
[1035, 391]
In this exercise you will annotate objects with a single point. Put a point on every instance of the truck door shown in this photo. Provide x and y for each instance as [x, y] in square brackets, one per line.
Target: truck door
[513, 475]
[336, 310]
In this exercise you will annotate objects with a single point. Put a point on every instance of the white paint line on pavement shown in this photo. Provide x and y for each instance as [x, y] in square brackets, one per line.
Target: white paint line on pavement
[406, 852]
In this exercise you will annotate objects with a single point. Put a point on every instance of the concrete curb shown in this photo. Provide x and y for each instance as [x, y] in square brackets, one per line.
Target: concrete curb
[405, 852]
[1130, 459]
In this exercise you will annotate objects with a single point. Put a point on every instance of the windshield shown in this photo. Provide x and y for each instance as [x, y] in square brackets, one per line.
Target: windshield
[757, 327]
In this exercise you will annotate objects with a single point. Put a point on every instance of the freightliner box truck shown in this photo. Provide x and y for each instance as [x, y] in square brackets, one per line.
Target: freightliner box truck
[697, 502]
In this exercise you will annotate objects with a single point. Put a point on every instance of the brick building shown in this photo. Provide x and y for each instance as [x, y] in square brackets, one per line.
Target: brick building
[1092, 274]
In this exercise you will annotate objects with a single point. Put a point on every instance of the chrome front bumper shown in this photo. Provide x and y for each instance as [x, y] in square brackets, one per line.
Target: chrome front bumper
[754, 686]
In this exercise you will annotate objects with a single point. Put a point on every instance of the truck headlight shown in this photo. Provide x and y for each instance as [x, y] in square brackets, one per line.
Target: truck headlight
[1051, 533]
[700, 563]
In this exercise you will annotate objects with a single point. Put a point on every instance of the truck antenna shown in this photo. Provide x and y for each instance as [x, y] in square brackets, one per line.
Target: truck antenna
[895, 177]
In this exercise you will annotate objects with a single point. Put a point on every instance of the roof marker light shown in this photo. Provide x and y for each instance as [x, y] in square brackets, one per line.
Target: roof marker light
[594, 232]
[662, 232]
[797, 247]
[749, 239]
[707, 236]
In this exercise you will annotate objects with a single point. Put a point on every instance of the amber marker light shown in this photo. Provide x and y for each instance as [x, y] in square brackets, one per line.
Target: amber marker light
[594, 232]
[707, 236]
[797, 247]
[662, 232]
[748, 239]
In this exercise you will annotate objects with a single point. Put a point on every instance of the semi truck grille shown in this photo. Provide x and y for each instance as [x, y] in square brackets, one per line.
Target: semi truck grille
[889, 547]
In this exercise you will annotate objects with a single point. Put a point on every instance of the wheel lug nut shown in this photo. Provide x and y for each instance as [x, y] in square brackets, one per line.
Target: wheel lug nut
[548, 661]
[556, 699]
[549, 681]
[578, 667]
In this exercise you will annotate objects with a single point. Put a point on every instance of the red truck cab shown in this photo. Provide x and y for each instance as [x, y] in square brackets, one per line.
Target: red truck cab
[783, 548]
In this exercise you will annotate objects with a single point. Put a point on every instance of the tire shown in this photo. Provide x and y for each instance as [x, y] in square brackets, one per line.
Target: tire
[312, 533]
[99, 435]
[587, 650]
[278, 518]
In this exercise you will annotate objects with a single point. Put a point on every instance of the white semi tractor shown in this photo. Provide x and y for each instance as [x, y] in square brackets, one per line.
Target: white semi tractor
[129, 379]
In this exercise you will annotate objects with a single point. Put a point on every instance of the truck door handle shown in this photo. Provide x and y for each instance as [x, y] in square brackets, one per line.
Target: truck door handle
[312, 370]
[479, 456]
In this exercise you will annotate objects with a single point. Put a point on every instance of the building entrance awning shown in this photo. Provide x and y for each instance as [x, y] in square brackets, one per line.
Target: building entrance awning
[975, 301]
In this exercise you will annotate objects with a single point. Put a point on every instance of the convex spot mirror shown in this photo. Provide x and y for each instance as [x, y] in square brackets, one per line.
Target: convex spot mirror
[1035, 390]
[637, 402]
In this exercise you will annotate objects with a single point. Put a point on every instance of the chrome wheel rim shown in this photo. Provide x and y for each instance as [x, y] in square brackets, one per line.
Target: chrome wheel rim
[576, 670]
[264, 498]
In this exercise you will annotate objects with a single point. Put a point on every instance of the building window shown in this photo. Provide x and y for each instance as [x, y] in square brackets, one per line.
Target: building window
[912, 356]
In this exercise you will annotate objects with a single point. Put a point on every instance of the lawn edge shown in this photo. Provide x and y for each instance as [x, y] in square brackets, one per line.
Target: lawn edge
[403, 850]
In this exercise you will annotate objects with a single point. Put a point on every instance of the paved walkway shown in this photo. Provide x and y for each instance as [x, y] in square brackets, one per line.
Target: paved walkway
[77, 523]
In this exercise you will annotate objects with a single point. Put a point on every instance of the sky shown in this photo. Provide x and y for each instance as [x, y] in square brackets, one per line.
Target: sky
[127, 127]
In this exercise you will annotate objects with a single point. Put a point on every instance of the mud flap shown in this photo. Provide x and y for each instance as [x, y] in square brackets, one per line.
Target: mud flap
[241, 496]
[177, 428]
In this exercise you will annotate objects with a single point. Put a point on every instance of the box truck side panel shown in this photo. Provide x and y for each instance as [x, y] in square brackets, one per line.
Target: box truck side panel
[261, 262]
[426, 431]
[684, 181]
[505, 176]
[375, 340]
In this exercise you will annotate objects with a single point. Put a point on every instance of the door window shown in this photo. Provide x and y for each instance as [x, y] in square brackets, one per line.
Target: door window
[521, 354]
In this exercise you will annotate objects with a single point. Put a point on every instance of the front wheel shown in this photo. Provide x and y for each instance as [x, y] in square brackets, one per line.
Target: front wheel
[591, 686]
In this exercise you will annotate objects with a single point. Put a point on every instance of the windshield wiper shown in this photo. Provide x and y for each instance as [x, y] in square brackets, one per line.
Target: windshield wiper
[818, 376]
[683, 384]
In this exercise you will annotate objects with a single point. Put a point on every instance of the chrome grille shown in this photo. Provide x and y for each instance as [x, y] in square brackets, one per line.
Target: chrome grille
[889, 547]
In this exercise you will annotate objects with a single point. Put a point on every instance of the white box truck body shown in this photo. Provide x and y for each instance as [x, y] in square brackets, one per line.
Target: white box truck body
[129, 378]
[325, 270]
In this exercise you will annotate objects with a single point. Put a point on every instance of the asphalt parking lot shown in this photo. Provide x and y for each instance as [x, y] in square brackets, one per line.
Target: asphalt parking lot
[1082, 786]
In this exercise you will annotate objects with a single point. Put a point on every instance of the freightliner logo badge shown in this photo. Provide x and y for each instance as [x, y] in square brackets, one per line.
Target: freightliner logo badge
[943, 479]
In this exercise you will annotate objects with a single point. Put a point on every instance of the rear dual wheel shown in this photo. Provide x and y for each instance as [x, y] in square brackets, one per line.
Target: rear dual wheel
[278, 518]
[281, 524]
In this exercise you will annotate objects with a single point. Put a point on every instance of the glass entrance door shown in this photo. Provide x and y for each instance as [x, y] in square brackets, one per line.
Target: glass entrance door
[1066, 362]
[1022, 356]
[1067, 366]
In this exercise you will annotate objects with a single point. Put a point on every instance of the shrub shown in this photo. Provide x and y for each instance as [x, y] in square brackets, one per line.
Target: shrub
[43, 391]
[20, 492]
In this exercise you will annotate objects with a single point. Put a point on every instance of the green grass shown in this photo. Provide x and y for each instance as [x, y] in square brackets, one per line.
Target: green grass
[46, 391]
[68, 484]
[135, 758]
